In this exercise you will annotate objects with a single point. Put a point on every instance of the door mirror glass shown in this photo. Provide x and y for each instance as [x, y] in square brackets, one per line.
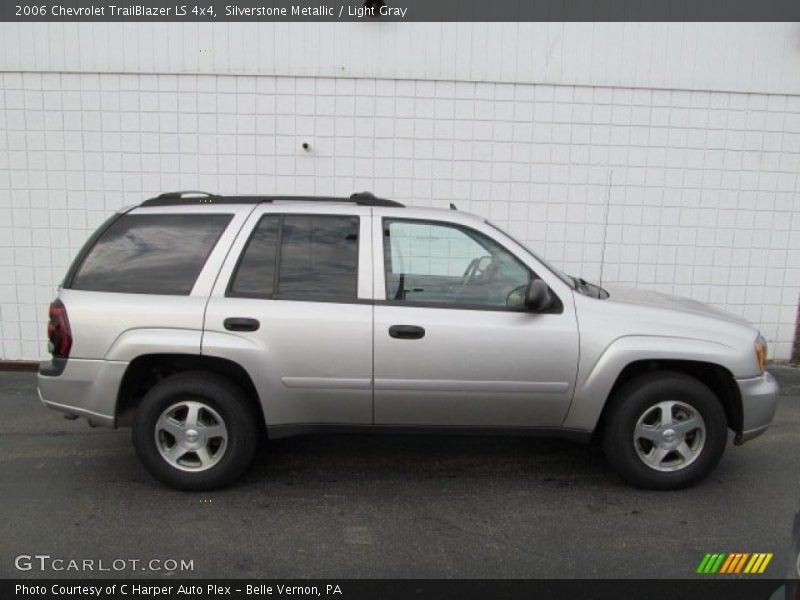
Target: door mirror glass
[538, 298]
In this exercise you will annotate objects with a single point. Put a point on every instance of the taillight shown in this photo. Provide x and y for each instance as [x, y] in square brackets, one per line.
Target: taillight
[58, 331]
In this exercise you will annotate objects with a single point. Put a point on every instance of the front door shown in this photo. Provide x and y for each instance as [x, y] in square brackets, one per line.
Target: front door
[454, 345]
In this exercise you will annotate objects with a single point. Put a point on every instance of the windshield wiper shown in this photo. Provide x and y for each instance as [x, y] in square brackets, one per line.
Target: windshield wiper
[588, 289]
[580, 284]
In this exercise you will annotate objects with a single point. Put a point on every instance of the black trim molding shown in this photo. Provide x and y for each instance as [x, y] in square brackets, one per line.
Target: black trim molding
[53, 367]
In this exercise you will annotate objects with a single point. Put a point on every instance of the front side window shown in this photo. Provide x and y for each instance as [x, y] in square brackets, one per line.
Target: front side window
[428, 262]
[300, 257]
[150, 254]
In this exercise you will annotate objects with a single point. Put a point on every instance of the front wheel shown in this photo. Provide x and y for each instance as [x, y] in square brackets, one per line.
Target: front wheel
[664, 431]
[195, 431]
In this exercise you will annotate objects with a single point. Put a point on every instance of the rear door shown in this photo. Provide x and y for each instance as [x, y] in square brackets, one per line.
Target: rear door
[292, 304]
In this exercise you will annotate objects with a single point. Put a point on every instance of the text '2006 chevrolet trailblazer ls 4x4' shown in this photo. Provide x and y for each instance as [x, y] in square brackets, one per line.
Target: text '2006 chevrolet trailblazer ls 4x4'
[206, 321]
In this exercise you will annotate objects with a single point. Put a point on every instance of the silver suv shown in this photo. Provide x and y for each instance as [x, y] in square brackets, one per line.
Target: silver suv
[207, 322]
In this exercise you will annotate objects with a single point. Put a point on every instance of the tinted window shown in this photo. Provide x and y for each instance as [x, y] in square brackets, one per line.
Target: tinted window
[255, 275]
[439, 263]
[150, 254]
[319, 257]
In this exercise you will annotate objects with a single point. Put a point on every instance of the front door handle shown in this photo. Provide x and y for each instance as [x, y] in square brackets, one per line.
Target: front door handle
[406, 332]
[241, 324]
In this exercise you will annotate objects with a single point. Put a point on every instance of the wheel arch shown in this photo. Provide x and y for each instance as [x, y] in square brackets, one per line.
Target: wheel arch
[716, 377]
[147, 370]
[600, 373]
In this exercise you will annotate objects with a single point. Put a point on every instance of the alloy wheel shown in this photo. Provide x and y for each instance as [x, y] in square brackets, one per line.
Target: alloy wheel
[191, 436]
[669, 436]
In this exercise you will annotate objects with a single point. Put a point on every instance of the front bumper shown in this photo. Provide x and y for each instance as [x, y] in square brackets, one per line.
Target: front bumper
[759, 400]
[85, 388]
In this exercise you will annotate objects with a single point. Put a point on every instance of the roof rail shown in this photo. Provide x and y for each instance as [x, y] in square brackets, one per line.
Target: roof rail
[187, 198]
[183, 193]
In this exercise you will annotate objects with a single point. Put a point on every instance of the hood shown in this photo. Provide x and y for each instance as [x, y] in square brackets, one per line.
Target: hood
[651, 299]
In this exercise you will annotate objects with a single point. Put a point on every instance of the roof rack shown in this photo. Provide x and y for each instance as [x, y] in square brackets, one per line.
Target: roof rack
[190, 197]
[183, 193]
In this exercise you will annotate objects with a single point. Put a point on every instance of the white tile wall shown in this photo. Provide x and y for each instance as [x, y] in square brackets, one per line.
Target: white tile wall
[701, 188]
[739, 57]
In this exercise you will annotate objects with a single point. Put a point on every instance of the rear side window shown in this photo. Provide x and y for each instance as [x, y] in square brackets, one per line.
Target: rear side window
[150, 254]
[300, 257]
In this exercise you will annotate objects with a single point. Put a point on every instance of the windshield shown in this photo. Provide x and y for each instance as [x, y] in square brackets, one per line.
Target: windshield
[560, 274]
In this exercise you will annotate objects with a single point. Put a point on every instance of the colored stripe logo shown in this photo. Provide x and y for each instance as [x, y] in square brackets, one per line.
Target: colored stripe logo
[735, 562]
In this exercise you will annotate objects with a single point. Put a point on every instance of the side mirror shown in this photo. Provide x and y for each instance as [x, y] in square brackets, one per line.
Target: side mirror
[538, 297]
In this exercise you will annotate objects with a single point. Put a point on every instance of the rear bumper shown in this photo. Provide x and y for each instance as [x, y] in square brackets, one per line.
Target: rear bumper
[93, 417]
[85, 388]
[759, 400]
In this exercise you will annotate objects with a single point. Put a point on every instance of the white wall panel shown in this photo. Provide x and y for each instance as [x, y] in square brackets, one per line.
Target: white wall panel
[744, 57]
[703, 200]
[696, 126]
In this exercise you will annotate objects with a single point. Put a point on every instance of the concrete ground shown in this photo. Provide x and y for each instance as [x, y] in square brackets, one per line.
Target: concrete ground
[386, 506]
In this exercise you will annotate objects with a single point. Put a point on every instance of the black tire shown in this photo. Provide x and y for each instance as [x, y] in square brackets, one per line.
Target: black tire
[633, 400]
[221, 395]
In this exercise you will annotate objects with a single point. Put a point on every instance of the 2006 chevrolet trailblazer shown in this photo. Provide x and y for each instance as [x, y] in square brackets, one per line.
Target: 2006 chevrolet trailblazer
[207, 321]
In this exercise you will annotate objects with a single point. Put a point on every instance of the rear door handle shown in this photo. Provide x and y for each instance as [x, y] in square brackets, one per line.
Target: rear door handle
[241, 324]
[406, 332]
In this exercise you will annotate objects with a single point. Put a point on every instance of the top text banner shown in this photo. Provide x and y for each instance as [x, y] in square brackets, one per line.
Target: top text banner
[401, 10]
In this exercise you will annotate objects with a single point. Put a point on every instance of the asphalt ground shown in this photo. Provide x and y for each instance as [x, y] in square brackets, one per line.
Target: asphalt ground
[386, 506]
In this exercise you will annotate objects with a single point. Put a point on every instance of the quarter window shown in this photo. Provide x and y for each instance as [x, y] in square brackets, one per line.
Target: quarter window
[427, 262]
[300, 257]
[150, 254]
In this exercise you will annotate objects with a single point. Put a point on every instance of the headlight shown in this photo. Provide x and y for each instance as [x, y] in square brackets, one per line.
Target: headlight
[761, 353]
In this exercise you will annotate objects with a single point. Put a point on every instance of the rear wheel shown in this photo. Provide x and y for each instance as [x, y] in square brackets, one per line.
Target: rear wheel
[665, 430]
[195, 431]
